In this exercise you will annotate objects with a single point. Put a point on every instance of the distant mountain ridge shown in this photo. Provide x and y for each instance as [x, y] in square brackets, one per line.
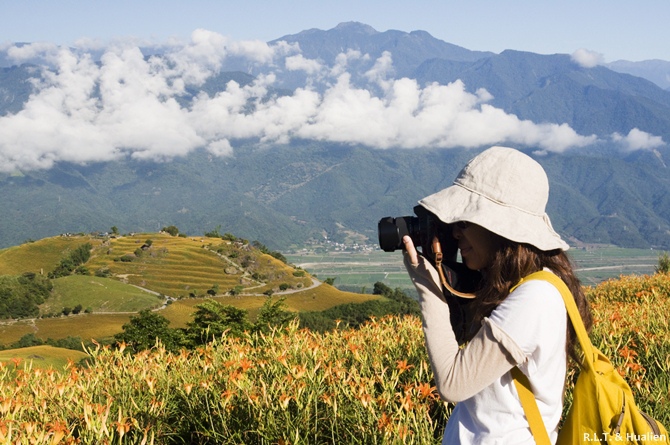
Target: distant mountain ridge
[286, 194]
[555, 89]
[409, 49]
[293, 194]
[657, 71]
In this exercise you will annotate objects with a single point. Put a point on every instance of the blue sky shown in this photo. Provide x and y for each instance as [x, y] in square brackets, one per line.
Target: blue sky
[617, 29]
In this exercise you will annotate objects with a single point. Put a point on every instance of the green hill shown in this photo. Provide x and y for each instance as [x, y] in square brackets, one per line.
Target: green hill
[97, 294]
[172, 274]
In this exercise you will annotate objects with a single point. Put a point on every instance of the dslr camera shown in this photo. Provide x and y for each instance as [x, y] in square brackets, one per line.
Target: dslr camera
[432, 237]
[459, 283]
[422, 228]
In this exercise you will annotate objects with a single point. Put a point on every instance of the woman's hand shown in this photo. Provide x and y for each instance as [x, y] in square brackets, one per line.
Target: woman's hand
[410, 250]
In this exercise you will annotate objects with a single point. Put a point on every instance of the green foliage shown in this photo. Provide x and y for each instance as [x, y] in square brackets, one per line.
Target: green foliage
[82, 270]
[27, 341]
[212, 319]
[72, 261]
[236, 290]
[30, 339]
[214, 233]
[353, 315]
[380, 288]
[20, 296]
[103, 272]
[273, 314]
[74, 343]
[318, 321]
[145, 328]
[258, 245]
[172, 230]
[407, 304]
[663, 263]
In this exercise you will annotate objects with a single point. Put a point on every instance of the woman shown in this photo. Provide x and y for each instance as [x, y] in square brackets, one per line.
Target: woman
[496, 210]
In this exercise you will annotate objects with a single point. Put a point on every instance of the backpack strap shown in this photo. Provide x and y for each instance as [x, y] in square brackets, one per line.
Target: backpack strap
[522, 383]
[530, 407]
[590, 353]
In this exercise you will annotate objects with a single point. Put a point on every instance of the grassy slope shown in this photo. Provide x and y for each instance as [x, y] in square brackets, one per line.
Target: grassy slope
[41, 357]
[98, 294]
[318, 299]
[40, 256]
[172, 266]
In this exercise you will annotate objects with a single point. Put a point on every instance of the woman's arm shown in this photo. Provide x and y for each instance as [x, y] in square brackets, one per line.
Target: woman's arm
[459, 373]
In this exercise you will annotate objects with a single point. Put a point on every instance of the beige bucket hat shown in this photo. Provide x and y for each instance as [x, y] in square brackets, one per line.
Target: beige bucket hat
[504, 191]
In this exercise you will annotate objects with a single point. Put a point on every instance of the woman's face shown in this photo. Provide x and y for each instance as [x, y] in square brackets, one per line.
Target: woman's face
[475, 243]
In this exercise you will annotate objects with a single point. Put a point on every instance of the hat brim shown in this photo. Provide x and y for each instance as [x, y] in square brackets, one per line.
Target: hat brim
[456, 203]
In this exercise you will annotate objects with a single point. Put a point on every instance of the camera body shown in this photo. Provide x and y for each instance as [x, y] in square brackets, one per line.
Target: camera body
[422, 228]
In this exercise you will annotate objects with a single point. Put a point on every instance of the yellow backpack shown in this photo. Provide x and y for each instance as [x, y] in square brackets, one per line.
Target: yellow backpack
[603, 409]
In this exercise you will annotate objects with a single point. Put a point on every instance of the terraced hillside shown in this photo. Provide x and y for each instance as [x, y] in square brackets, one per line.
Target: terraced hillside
[41, 256]
[157, 271]
[182, 267]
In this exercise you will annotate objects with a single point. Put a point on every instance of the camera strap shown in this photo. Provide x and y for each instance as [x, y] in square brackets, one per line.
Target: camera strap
[437, 252]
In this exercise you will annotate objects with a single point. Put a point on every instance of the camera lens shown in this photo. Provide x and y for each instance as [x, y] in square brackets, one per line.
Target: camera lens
[391, 230]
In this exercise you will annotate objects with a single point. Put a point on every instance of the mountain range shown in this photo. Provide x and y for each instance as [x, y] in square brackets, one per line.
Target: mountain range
[612, 186]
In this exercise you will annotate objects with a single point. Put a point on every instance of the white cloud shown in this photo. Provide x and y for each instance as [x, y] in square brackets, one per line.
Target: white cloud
[300, 63]
[637, 139]
[260, 52]
[89, 44]
[220, 147]
[128, 105]
[382, 69]
[25, 53]
[344, 60]
[587, 59]
[435, 116]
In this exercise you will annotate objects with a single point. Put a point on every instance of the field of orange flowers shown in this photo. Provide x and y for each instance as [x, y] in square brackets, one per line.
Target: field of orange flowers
[631, 326]
[367, 386]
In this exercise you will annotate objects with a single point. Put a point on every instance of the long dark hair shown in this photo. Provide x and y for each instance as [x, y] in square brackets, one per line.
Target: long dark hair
[510, 263]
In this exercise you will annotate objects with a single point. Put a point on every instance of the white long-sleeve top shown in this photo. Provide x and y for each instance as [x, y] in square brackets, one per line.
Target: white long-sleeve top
[528, 330]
